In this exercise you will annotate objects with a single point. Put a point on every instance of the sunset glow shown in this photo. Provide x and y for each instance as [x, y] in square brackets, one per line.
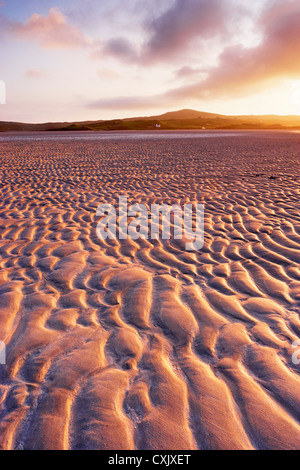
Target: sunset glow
[91, 59]
[149, 228]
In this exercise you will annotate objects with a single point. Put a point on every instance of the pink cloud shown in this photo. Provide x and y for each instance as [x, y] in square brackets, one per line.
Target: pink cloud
[240, 71]
[51, 31]
[34, 73]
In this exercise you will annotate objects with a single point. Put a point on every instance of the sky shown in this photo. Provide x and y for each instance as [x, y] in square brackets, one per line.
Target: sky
[76, 60]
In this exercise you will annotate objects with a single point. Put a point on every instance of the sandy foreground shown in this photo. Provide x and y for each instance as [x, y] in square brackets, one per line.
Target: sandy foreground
[142, 344]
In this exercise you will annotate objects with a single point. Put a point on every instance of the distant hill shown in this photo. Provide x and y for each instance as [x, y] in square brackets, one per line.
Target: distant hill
[183, 119]
[183, 114]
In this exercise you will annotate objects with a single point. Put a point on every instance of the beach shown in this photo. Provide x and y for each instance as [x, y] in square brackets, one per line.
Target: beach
[142, 344]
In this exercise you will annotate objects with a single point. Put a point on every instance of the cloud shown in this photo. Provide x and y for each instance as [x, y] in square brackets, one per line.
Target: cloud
[186, 71]
[120, 48]
[51, 31]
[188, 74]
[240, 70]
[108, 73]
[124, 102]
[34, 73]
[172, 32]
[243, 70]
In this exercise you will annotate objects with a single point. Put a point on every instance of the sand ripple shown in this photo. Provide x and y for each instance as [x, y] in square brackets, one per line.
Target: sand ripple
[140, 344]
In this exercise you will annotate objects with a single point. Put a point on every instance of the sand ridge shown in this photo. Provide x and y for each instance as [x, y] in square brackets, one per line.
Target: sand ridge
[123, 344]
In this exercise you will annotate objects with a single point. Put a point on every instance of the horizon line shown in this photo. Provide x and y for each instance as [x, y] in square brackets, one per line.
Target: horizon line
[150, 116]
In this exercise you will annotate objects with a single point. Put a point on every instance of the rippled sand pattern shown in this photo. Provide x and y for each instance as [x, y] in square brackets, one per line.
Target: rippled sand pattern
[143, 345]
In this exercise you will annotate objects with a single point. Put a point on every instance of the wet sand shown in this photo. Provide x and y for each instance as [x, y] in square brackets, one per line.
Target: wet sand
[141, 344]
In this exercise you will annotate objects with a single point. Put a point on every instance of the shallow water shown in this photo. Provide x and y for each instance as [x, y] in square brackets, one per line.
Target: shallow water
[116, 135]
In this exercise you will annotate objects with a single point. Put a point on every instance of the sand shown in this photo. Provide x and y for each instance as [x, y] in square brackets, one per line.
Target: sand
[141, 344]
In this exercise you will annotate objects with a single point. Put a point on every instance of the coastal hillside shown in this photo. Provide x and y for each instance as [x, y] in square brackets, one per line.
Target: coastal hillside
[177, 120]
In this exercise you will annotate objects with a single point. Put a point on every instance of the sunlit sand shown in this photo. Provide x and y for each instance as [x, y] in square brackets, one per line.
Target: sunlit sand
[141, 344]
